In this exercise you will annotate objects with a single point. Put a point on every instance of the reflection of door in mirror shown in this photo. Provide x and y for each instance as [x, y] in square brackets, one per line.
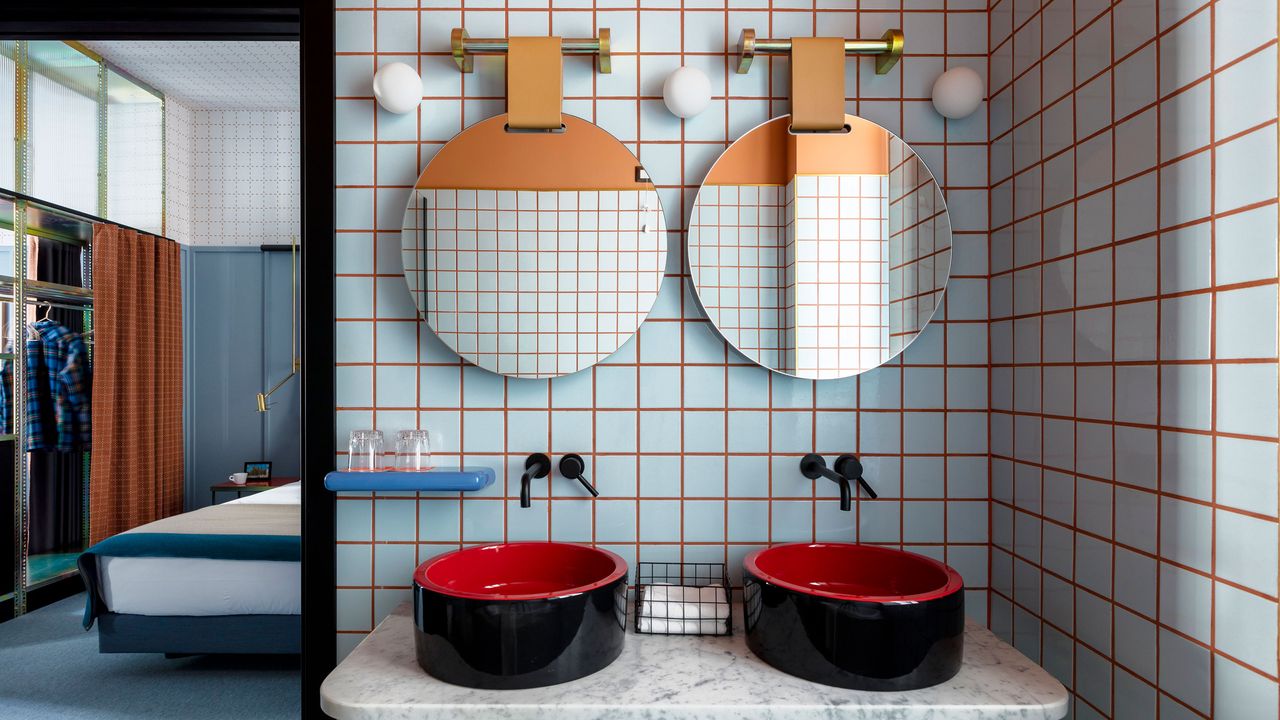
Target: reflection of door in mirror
[534, 255]
[819, 255]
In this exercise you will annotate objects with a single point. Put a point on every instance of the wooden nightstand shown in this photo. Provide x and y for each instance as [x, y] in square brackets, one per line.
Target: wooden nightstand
[249, 488]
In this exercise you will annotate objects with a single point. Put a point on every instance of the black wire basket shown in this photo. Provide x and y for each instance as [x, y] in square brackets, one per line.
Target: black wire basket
[683, 599]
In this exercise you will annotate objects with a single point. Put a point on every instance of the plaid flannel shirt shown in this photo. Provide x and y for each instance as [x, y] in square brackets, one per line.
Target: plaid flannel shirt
[41, 423]
[66, 367]
[77, 379]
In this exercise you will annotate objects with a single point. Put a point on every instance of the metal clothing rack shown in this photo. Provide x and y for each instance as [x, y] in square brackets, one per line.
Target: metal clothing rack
[26, 215]
[29, 216]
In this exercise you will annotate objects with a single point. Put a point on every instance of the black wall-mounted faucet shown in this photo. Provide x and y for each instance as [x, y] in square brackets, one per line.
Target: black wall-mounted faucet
[847, 468]
[537, 465]
[573, 466]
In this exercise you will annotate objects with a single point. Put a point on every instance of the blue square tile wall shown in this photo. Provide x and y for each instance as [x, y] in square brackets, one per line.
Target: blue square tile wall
[1133, 381]
[694, 449]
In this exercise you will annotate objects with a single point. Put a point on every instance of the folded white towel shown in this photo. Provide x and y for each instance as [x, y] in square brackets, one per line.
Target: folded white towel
[660, 626]
[671, 602]
[680, 610]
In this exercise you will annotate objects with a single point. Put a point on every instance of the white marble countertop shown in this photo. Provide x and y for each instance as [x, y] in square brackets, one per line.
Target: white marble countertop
[689, 678]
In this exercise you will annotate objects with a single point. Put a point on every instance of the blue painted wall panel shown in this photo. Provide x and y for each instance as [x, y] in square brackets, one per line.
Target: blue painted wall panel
[283, 440]
[236, 325]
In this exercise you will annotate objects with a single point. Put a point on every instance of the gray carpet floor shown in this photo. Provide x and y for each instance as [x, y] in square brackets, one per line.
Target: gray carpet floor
[50, 668]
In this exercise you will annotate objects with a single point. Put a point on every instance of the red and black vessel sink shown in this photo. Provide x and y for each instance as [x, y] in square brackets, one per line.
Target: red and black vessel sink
[855, 616]
[519, 615]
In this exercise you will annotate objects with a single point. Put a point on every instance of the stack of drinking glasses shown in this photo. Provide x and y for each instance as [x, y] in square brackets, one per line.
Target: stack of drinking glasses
[413, 451]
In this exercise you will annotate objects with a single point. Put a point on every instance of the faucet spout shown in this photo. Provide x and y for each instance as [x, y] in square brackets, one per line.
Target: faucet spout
[846, 499]
[525, 481]
[536, 465]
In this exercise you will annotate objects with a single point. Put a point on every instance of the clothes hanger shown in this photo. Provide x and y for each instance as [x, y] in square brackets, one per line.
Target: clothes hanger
[32, 333]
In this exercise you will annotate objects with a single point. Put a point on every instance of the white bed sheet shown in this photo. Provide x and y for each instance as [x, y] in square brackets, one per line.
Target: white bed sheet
[202, 586]
[290, 494]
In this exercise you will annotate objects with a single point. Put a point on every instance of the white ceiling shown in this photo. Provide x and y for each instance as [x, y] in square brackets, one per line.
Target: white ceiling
[212, 75]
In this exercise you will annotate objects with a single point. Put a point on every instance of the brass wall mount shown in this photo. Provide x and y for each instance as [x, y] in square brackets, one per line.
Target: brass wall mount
[887, 50]
[465, 48]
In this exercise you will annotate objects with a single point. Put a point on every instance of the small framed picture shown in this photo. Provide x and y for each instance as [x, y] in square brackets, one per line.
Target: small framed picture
[258, 472]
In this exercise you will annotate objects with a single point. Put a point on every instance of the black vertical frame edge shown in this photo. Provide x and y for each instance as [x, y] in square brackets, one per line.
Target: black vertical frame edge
[312, 23]
[319, 609]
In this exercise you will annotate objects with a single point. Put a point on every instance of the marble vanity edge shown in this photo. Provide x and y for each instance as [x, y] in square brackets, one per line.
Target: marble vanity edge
[381, 680]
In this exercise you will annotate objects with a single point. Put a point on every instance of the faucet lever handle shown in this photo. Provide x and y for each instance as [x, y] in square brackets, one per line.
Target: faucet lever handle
[850, 467]
[573, 466]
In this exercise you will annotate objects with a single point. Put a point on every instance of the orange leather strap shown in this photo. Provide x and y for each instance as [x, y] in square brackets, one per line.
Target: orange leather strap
[817, 83]
[534, 83]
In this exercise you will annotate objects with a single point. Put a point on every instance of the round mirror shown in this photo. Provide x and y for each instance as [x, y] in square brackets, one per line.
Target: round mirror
[534, 254]
[819, 255]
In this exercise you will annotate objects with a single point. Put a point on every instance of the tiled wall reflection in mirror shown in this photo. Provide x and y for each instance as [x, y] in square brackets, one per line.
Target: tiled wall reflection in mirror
[533, 284]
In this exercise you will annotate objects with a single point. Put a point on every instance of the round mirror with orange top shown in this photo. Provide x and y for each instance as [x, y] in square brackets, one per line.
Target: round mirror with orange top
[820, 255]
[534, 254]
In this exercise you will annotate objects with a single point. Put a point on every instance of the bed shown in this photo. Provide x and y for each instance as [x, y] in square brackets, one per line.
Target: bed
[222, 579]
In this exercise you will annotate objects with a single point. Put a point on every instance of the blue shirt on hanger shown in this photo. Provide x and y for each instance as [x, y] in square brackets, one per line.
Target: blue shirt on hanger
[64, 358]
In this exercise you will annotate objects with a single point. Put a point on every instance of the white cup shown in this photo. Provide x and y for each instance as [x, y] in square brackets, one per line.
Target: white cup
[238, 478]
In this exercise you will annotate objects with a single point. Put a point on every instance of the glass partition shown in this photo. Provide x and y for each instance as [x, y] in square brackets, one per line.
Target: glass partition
[8, 176]
[64, 130]
[135, 153]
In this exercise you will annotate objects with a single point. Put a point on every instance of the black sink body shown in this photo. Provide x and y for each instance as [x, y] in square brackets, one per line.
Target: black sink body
[875, 643]
[509, 642]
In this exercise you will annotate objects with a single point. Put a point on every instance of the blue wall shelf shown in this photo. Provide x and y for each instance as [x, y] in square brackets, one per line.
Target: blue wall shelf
[464, 479]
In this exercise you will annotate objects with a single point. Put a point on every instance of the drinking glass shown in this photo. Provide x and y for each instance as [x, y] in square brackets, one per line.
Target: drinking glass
[413, 450]
[366, 451]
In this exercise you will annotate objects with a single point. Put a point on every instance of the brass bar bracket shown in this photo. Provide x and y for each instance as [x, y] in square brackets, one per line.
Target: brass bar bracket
[465, 48]
[887, 50]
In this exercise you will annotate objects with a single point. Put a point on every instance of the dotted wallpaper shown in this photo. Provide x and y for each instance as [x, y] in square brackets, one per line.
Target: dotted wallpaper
[178, 187]
[232, 176]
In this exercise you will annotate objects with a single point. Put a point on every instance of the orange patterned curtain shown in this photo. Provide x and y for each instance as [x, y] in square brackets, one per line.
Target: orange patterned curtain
[136, 471]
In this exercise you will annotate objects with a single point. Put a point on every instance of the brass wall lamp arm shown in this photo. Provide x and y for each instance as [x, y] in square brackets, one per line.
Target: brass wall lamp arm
[262, 397]
[887, 50]
[465, 48]
[295, 362]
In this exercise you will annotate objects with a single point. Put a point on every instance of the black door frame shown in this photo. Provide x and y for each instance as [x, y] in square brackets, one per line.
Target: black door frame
[311, 23]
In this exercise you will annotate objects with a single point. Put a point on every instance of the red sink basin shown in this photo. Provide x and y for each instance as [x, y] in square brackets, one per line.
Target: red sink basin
[855, 616]
[520, 571]
[519, 615]
[865, 573]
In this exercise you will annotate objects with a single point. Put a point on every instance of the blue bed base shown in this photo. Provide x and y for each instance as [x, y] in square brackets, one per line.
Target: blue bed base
[190, 635]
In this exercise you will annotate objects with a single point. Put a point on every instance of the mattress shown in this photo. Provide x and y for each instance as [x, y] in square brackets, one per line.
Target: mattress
[290, 494]
[205, 586]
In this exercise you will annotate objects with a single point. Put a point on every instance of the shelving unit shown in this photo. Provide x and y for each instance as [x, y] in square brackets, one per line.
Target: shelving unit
[62, 93]
[457, 479]
[27, 216]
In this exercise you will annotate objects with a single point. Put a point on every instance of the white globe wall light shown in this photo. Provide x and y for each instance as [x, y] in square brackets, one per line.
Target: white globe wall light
[397, 87]
[957, 93]
[687, 92]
